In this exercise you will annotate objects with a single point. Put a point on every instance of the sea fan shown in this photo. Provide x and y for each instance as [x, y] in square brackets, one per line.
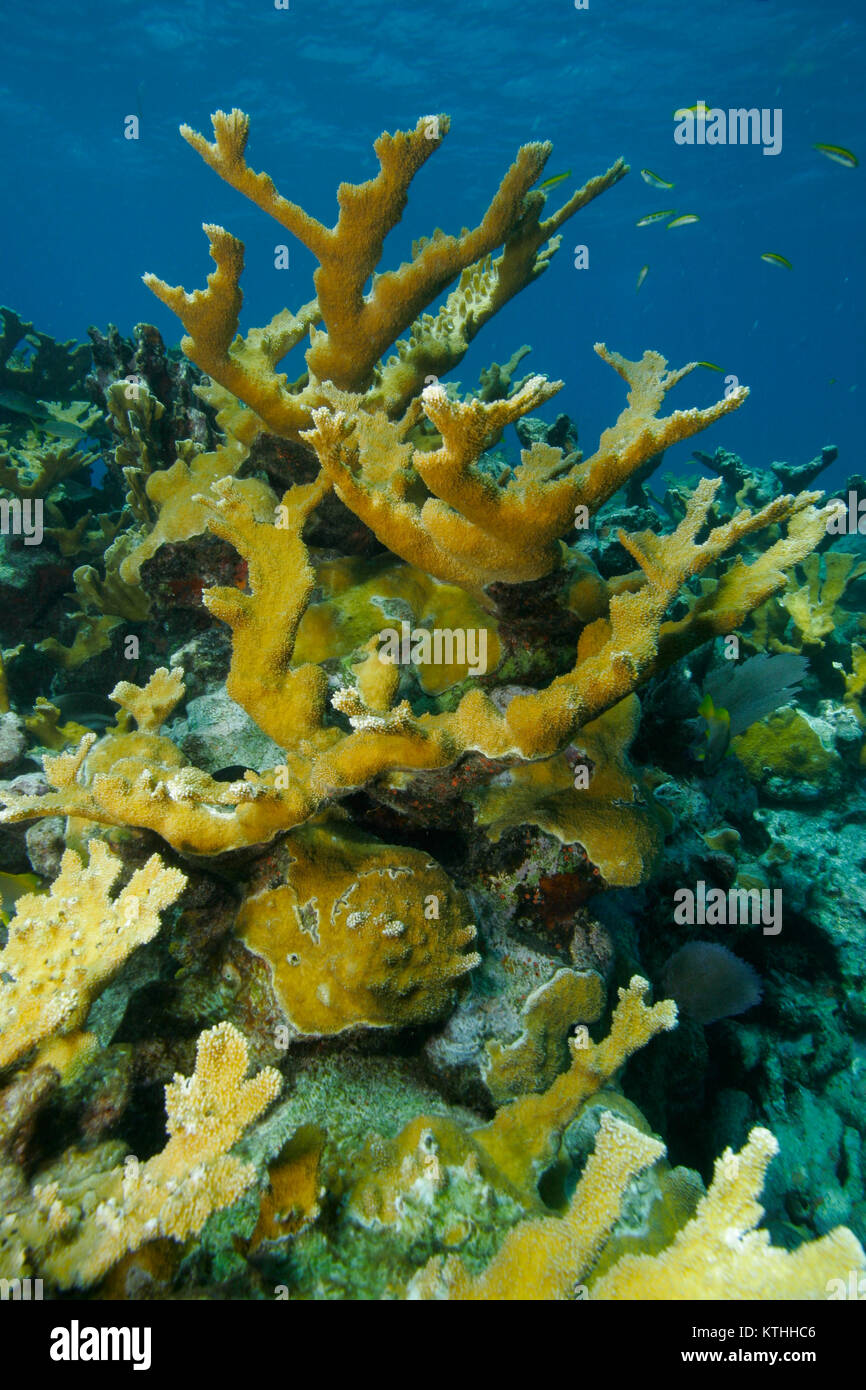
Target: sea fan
[709, 982]
[762, 684]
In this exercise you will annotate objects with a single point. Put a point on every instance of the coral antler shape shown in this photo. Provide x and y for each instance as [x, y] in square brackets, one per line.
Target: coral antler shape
[360, 326]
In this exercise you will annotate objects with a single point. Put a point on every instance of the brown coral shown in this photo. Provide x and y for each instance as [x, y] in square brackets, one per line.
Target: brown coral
[362, 934]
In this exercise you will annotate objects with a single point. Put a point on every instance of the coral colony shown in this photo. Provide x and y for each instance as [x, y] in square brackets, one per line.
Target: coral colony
[307, 638]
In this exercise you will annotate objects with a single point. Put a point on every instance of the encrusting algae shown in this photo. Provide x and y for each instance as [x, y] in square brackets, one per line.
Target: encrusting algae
[294, 899]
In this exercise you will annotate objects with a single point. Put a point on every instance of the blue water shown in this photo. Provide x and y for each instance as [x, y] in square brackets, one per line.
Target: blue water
[87, 211]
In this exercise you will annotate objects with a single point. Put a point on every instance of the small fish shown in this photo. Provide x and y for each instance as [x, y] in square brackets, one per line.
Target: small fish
[644, 271]
[653, 179]
[717, 733]
[557, 178]
[839, 155]
[84, 707]
[700, 110]
[773, 258]
[710, 366]
[22, 405]
[12, 887]
[654, 217]
[61, 429]
[233, 773]
[684, 220]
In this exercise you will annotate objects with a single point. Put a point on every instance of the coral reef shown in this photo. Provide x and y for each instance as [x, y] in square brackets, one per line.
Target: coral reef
[409, 744]
[79, 1221]
[719, 1254]
[63, 947]
[360, 934]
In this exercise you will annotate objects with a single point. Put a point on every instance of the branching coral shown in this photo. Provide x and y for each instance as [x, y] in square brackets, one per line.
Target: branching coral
[168, 502]
[92, 636]
[45, 726]
[34, 470]
[720, 1254]
[855, 681]
[812, 605]
[436, 507]
[614, 656]
[546, 1256]
[516, 1147]
[439, 510]
[809, 610]
[358, 326]
[33, 364]
[64, 947]
[75, 1225]
[717, 1255]
[467, 528]
[328, 931]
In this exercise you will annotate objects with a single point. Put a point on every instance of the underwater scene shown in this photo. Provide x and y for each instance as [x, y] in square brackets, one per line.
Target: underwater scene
[433, 681]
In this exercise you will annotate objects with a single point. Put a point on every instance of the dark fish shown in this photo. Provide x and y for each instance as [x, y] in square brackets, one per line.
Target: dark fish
[22, 404]
[86, 707]
[235, 773]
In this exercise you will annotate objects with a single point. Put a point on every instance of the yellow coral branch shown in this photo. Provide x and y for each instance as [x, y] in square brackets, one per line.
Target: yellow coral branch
[720, 1255]
[521, 1138]
[66, 945]
[79, 1237]
[545, 1257]
[147, 785]
[361, 323]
